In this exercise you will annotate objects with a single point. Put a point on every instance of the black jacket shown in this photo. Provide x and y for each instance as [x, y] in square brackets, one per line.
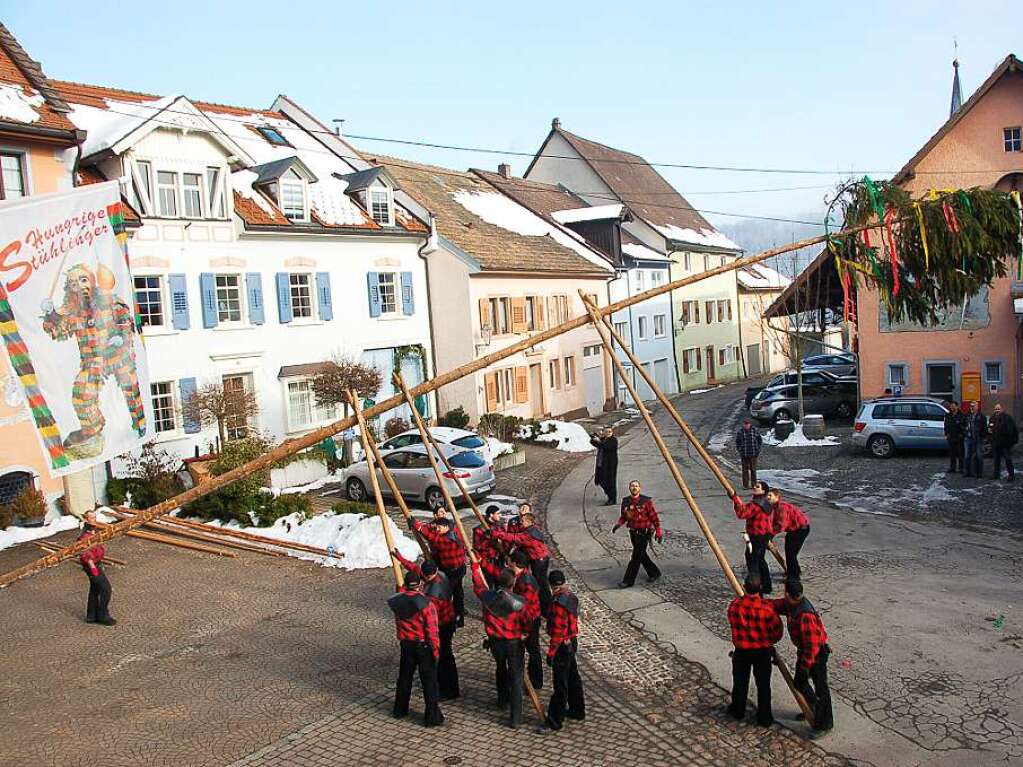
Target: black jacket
[975, 426]
[954, 426]
[1003, 431]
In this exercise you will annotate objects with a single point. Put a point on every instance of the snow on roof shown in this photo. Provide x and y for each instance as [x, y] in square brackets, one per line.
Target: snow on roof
[636, 250]
[16, 105]
[105, 127]
[1017, 305]
[498, 209]
[709, 237]
[759, 276]
[595, 213]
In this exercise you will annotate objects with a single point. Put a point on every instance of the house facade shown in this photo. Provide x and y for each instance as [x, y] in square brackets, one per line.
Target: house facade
[499, 271]
[262, 246]
[38, 145]
[702, 316]
[765, 342]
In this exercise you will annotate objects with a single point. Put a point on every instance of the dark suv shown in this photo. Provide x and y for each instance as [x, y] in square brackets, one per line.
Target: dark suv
[835, 397]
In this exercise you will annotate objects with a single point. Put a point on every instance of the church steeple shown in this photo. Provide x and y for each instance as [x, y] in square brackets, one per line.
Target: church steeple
[957, 93]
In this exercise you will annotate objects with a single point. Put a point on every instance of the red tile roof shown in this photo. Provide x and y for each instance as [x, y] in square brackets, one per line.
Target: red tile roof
[17, 68]
[90, 175]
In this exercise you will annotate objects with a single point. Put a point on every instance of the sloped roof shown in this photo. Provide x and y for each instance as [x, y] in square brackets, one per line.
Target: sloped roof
[364, 179]
[90, 175]
[331, 208]
[27, 97]
[539, 197]
[1010, 64]
[492, 228]
[273, 170]
[647, 194]
[761, 277]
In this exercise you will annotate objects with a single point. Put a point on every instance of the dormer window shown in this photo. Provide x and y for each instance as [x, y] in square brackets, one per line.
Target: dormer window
[294, 197]
[272, 135]
[380, 206]
[287, 181]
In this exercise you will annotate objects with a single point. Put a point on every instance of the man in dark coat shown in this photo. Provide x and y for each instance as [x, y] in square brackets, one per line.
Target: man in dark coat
[954, 437]
[1004, 436]
[606, 472]
[974, 433]
[747, 444]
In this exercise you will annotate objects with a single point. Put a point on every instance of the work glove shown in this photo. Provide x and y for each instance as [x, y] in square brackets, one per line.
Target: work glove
[659, 537]
[486, 643]
[550, 661]
[615, 529]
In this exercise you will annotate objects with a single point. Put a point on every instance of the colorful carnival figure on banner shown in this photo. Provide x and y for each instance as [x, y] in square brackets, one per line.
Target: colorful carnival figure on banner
[102, 324]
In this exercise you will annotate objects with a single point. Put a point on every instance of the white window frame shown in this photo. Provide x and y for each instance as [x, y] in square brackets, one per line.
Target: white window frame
[175, 409]
[175, 188]
[554, 374]
[388, 201]
[161, 290]
[531, 303]
[319, 415]
[568, 363]
[395, 279]
[640, 280]
[622, 329]
[313, 302]
[1001, 372]
[710, 311]
[890, 367]
[215, 194]
[303, 185]
[198, 191]
[23, 168]
[505, 387]
[248, 383]
[242, 299]
[693, 353]
[663, 323]
[1012, 138]
[687, 262]
[641, 328]
[656, 278]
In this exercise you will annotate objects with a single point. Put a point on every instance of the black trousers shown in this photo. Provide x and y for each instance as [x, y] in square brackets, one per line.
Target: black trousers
[536, 656]
[457, 591]
[818, 696]
[99, 598]
[756, 561]
[794, 540]
[447, 671]
[999, 454]
[759, 661]
[418, 655]
[538, 568]
[749, 471]
[508, 676]
[955, 455]
[568, 687]
[640, 541]
[973, 465]
[610, 486]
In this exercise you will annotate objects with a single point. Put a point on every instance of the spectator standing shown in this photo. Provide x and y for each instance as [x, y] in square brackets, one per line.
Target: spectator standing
[974, 432]
[954, 437]
[748, 443]
[606, 470]
[1004, 436]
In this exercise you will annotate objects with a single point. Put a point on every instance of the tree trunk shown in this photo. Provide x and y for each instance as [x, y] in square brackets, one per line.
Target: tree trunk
[221, 432]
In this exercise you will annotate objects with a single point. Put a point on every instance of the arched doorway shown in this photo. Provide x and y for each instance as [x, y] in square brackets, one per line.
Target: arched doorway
[1013, 182]
[12, 483]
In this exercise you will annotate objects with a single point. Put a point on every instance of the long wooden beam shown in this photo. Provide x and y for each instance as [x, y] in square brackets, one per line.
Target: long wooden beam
[292, 446]
[726, 567]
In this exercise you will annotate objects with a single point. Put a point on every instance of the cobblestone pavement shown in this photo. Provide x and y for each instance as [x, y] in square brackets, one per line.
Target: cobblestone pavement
[923, 615]
[274, 661]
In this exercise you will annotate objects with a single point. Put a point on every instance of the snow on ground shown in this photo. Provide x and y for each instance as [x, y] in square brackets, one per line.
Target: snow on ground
[796, 480]
[508, 504]
[704, 391]
[357, 539]
[15, 105]
[798, 439]
[15, 534]
[720, 441]
[566, 436]
[497, 447]
[937, 491]
[329, 479]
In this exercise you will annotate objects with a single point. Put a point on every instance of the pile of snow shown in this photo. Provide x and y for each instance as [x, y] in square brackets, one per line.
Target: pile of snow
[356, 540]
[329, 479]
[594, 213]
[704, 391]
[569, 437]
[497, 447]
[508, 504]
[710, 237]
[14, 534]
[796, 480]
[15, 105]
[798, 439]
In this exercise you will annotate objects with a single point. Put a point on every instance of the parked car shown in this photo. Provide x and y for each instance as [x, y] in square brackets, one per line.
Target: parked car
[887, 424]
[415, 478]
[839, 364]
[444, 435]
[810, 376]
[836, 397]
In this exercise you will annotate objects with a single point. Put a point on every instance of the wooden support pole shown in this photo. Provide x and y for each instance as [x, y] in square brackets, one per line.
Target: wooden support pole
[666, 403]
[181, 544]
[292, 446]
[50, 547]
[726, 567]
[367, 441]
[428, 440]
[184, 532]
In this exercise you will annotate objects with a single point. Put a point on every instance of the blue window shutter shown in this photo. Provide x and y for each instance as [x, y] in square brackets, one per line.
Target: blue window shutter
[373, 284]
[254, 287]
[284, 297]
[179, 301]
[323, 292]
[208, 288]
[186, 386]
[408, 304]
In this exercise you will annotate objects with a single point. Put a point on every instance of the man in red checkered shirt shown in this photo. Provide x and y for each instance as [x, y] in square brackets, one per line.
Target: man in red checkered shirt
[806, 630]
[96, 610]
[503, 619]
[415, 620]
[640, 516]
[489, 550]
[760, 529]
[437, 587]
[527, 588]
[448, 551]
[525, 534]
[563, 628]
[795, 524]
[756, 628]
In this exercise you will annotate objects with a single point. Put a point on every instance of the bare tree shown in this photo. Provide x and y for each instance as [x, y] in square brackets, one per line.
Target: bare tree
[340, 374]
[213, 404]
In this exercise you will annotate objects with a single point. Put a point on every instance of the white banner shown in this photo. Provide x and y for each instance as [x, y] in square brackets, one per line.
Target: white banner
[68, 321]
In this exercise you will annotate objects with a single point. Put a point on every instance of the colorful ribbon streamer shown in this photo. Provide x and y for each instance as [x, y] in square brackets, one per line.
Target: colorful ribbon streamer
[889, 217]
[923, 234]
[1018, 199]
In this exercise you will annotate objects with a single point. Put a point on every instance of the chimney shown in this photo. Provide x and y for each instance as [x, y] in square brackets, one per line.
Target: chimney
[504, 170]
[556, 124]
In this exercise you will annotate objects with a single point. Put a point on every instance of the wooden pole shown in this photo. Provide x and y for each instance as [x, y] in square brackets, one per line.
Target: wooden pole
[156, 538]
[680, 481]
[429, 441]
[364, 435]
[171, 529]
[292, 446]
[667, 404]
[49, 547]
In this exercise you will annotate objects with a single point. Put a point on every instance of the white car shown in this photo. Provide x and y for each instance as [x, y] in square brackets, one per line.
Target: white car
[444, 435]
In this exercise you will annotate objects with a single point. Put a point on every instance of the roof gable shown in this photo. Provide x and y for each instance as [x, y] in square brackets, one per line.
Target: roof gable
[27, 97]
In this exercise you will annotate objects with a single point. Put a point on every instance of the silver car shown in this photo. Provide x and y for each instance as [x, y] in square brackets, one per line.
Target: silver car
[443, 435]
[887, 424]
[416, 479]
[839, 364]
